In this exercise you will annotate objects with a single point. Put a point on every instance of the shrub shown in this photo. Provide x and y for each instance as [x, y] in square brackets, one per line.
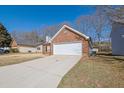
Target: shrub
[15, 50]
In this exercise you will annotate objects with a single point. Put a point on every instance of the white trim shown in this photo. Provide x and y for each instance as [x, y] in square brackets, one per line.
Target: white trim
[65, 26]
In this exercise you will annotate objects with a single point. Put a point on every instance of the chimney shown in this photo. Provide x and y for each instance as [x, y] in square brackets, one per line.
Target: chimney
[48, 39]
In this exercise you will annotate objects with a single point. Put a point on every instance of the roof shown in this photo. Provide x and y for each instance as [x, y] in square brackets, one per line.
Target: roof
[118, 20]
[27, 43]
[75, 31]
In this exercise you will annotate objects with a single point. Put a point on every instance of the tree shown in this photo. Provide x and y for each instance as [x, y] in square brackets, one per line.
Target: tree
[5, 37]
[96, 25]
[83, 24]
[32, 37]
[51, 30]
[14, 34]
[100, 24]
[113, 12]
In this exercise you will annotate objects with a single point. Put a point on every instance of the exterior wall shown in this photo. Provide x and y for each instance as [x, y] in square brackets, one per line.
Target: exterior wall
[24, 49]
[117, 38]
[39, 48]
[68, 36]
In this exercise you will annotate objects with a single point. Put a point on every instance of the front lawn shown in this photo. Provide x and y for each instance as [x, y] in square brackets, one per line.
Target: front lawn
[15, 58]
[102, 71]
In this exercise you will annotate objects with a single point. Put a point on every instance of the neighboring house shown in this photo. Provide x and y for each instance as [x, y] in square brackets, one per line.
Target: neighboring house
[39, 47]
[68, 41]
[117, 38]
[24, 47]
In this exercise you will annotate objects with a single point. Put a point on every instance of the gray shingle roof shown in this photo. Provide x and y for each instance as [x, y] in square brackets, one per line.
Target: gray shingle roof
[27, 43]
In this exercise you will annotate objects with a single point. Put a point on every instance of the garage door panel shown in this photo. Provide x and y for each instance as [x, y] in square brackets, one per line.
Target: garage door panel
[67, 49]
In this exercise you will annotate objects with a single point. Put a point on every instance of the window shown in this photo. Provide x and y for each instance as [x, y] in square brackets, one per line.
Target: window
[29, 51]
[38, 48]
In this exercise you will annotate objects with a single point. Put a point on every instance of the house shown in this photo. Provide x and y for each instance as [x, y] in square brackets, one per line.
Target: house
[117, 37]
[26, 47]
[68, 41]
[39, 47]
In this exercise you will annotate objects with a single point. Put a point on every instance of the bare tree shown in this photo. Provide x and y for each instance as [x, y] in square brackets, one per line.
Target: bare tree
[83, 24]
[31, 37]
[116, 12]
[90, 25]
[100, 23]
[14, 34]
[51, 30]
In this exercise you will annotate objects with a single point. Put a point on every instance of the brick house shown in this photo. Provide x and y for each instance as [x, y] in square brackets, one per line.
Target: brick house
[68, 41]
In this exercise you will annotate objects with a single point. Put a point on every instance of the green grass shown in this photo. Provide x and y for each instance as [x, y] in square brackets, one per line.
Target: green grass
[102, 71]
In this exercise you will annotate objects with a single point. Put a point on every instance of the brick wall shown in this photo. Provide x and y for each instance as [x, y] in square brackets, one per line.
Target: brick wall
[67, 35]
[14, 44]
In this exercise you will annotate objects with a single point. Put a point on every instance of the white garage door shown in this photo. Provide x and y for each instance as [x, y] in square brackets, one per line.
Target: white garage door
[67, 49]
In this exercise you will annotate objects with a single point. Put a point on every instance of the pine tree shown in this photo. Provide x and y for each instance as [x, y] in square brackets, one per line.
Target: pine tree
[5, 37]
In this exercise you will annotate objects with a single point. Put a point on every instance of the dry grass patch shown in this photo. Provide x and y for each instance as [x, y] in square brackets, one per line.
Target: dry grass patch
[100, 71]
[8, 59]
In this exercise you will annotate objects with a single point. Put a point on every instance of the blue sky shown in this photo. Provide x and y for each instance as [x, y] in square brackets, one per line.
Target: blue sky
[27, 18]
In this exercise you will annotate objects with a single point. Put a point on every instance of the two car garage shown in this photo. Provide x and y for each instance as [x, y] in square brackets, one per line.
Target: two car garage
[67, 49]
[68, 41]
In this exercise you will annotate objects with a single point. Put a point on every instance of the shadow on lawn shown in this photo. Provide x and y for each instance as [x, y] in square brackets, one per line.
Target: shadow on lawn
[105, 53]
[110, 57]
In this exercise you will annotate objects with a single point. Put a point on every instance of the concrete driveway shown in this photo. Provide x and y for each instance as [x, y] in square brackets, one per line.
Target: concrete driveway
[44, 72]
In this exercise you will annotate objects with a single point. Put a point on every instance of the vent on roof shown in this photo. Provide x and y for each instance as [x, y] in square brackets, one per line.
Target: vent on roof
[65, 31]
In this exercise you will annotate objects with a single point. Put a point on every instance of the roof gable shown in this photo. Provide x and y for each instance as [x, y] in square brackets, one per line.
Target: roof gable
[73, 30]
[13, 43]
